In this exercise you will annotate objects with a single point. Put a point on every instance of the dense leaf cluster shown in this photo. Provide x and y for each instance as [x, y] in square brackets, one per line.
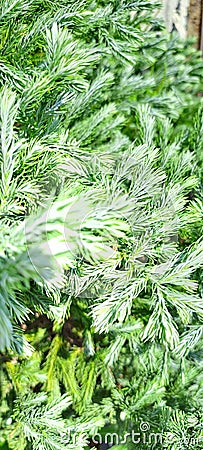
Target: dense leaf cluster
[101, 221]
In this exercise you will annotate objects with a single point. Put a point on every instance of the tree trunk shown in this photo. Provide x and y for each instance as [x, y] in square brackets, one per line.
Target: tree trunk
[185, 16]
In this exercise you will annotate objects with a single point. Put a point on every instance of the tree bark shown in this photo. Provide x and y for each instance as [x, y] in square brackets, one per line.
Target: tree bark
[195, 20]
[185, 16]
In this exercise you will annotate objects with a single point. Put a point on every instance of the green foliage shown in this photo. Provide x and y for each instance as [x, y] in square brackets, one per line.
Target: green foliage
[101, 245]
